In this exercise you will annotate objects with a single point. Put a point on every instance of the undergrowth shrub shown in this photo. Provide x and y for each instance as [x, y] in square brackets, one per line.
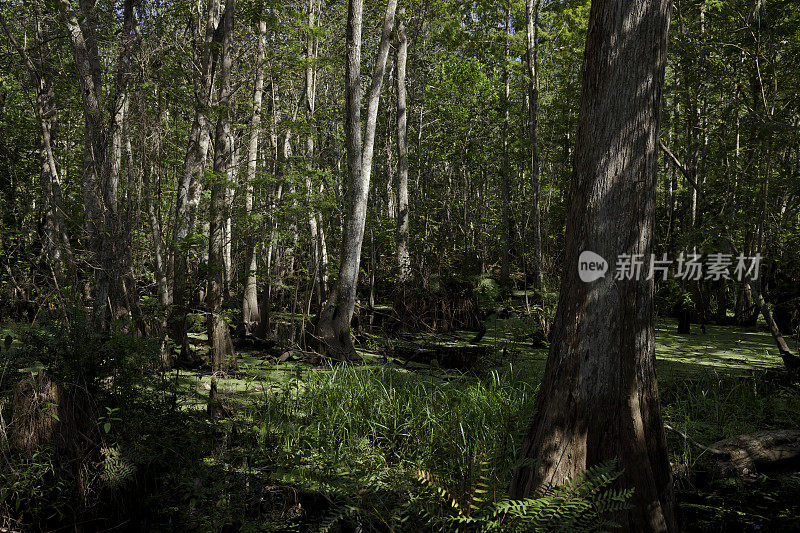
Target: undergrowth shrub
[586, 503]
[63, 450]
[488, 292]
[75, 351]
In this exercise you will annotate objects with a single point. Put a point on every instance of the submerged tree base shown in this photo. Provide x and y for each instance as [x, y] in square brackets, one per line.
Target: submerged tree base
[332, 335]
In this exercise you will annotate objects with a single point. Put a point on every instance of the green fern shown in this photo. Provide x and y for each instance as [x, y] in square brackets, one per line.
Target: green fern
[116, 470]
[585, 503]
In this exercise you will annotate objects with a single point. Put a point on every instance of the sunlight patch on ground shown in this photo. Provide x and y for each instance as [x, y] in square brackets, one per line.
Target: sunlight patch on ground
[722, 348]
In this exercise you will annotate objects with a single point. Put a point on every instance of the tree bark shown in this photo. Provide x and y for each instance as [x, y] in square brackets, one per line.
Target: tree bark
[599, 399]
[230, 191]
[190, 187]
[320, 256]
[532, 39]
[403, 256]
[151, 171]
[505, 230]
[218, 332]
[251, 316]
[334, 322]
[103, 154]
[56, 240]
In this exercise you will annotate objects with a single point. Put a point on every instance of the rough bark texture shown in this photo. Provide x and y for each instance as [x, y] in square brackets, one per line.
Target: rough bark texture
[218, 332]
[403, 257]
[334, 322]
[103, 153]
[189, 186]
[251, 315]
[598, 399]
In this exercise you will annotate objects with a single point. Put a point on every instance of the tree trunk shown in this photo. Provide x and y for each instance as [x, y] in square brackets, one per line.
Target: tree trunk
[780, 342]
[149, 171]
[230, 191]
[56, 241]
[218, 332]
[190, 187]
[599, 399]
[755, 283]
[103, 154]
[403, 257]
[320, 256]
[532, 34]
[334, 322]
[505, 231]
[251, 316]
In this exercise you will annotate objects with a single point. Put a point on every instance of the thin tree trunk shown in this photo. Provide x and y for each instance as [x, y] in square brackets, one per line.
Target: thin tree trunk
[532, 34]
[251, 315]
[103, 154]
[599, 398]
[505, 232]
[403, 257]
[190, 186]
[218, 332]
[320, 267]
[149, 170]
[56, 240]
[230, 191]
[780, 342]
[755, 284]
[334, 323]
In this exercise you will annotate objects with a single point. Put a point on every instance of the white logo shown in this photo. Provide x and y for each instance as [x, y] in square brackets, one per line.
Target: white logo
[591, 266]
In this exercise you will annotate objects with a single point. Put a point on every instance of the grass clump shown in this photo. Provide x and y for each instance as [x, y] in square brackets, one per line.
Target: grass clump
[359, 434]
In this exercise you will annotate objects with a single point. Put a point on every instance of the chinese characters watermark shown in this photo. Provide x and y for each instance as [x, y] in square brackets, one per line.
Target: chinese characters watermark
[691, 266]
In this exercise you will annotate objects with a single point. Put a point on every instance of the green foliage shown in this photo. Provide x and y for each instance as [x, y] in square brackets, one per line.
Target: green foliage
[586, 503]
[360, 434]
[74, 351]
[115, 470]
[34, 486]
[375, 447]
[487, 291]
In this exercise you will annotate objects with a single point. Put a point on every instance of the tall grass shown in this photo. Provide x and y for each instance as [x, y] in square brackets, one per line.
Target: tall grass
[358, 432]
[713, 406]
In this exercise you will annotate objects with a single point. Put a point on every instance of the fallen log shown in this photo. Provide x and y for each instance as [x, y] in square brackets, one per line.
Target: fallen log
[762, 451]
[446, 356]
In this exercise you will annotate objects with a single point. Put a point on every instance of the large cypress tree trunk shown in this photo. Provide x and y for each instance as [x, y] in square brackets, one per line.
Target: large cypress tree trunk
[599, 399]
[218, 332]
[333, 328]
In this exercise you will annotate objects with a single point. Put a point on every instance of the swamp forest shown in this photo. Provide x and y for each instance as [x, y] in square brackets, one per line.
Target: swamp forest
[399, 265]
